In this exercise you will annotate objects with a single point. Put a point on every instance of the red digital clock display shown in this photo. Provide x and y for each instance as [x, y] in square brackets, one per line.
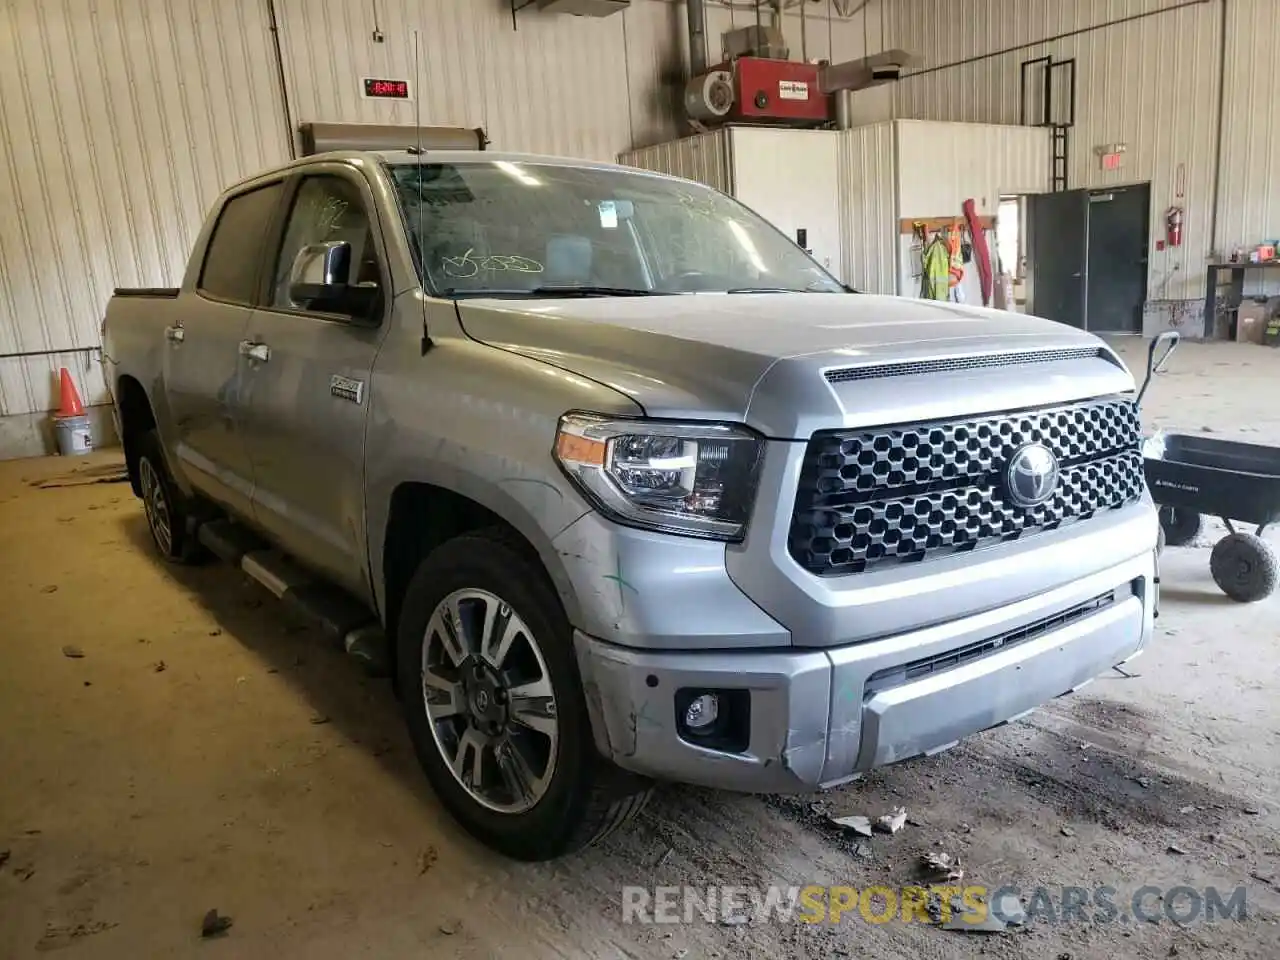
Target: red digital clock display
[386, 89]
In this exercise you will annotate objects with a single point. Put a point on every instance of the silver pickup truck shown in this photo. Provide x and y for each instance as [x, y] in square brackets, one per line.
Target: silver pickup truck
[625, 485]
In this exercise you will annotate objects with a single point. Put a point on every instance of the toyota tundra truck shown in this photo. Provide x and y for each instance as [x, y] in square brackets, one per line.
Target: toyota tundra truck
[620, 485]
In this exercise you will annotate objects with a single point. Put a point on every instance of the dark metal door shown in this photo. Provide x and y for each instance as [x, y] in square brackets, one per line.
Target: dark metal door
[1119, 226]
[1056, 232]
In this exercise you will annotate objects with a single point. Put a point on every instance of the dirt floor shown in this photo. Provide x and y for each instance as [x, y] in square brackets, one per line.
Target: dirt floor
[171, 742]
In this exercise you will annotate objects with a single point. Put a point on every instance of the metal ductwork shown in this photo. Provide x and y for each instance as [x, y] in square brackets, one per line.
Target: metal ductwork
[697, 37]
[754, 41]
[844, 109]
[583, 8]
[884, 67]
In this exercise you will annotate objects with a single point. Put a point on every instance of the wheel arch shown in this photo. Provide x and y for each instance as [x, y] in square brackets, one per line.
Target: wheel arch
[137, 418]
[423, 515]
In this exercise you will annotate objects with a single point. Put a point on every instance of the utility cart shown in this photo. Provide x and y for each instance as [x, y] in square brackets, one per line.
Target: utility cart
[1191, 476]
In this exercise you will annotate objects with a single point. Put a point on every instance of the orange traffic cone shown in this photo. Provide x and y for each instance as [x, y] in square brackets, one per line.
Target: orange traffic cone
[70, 405]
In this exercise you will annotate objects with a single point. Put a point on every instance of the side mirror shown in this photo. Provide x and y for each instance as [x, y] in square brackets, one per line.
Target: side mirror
[321, 271]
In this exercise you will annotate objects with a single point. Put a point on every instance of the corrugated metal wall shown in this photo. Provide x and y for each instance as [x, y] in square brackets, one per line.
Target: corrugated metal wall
[1249, 197]
[656, 65]
[943, 164]
[119, 122]
[1150, 83]
[868, 207]
[703, 157]
[555, 85]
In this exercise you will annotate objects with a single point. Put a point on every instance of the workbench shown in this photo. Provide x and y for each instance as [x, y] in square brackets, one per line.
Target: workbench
[1236, 294]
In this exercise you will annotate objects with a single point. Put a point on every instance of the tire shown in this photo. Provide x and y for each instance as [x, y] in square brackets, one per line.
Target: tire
[167, 510]
[1180, 525]
[565, 795]
[1244, 567]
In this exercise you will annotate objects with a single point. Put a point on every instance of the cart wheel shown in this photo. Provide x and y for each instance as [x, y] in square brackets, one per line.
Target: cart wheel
[1244, 567]
[1180, 525]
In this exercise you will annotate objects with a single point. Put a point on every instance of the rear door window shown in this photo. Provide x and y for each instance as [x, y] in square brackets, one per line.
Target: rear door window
[231, 263]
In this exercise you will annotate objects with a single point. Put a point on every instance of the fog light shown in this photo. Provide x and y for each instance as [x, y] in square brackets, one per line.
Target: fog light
[702, 712]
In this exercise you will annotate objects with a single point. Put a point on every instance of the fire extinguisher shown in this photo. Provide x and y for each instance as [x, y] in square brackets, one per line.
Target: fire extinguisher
[1173, 227]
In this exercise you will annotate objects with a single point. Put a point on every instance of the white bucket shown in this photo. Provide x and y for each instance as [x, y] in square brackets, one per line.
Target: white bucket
[75, 437]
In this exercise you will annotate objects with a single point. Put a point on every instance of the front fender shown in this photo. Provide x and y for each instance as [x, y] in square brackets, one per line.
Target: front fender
[480, 422]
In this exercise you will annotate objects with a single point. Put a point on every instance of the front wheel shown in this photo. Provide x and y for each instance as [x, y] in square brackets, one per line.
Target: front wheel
[1244, 567]
[1180, 525]
[497, 715]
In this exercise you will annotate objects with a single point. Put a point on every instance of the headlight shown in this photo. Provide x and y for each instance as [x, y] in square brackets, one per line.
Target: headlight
[695, 479]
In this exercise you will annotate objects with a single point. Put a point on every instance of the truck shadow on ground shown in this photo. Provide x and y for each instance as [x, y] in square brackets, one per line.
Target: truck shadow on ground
[365, 710]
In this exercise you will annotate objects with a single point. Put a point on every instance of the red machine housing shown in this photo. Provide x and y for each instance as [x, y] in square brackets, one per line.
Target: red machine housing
[776, 91]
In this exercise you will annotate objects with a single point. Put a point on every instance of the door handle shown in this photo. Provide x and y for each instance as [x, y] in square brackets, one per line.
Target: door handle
[176, 334]
[255, 351]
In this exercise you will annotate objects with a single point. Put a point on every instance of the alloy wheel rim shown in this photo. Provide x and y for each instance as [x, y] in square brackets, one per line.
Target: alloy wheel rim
[156, 505]
[489, 701]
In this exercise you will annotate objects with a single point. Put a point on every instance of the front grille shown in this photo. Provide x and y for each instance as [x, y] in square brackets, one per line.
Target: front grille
[918, 669]
[949, 364]
[913, 492]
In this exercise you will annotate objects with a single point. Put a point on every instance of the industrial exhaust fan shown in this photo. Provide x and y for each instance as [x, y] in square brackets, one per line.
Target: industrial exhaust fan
[756, 82]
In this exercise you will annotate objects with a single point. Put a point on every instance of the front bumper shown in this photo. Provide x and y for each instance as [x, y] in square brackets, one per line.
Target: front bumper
[818, 717]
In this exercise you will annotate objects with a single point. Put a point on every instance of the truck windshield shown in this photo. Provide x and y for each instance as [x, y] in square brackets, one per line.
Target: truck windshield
[498, 228]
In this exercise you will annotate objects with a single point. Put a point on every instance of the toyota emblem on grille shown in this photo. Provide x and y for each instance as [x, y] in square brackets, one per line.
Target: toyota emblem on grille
[1032, 475]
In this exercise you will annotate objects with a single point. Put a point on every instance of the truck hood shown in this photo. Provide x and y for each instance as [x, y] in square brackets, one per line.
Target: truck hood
[787, 364]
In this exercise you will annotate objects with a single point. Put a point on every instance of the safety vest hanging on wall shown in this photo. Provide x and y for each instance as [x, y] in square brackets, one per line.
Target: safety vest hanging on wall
[935, 270]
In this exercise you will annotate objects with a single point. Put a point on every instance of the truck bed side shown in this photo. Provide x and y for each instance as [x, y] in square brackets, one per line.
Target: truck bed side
[133, 344]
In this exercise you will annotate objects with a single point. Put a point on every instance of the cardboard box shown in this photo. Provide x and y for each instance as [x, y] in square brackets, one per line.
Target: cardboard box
[1251, 321]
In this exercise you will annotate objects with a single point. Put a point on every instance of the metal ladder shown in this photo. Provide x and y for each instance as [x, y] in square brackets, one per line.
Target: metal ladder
[1059, 143]
[1046, 108]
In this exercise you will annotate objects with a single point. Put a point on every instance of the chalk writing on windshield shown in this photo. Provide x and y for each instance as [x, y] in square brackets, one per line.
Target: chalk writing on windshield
[704, 205]
[468, 265]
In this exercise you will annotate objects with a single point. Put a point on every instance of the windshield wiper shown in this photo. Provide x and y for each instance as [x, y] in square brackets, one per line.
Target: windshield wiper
[555, 290]
[843, 288]
[588, 290]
